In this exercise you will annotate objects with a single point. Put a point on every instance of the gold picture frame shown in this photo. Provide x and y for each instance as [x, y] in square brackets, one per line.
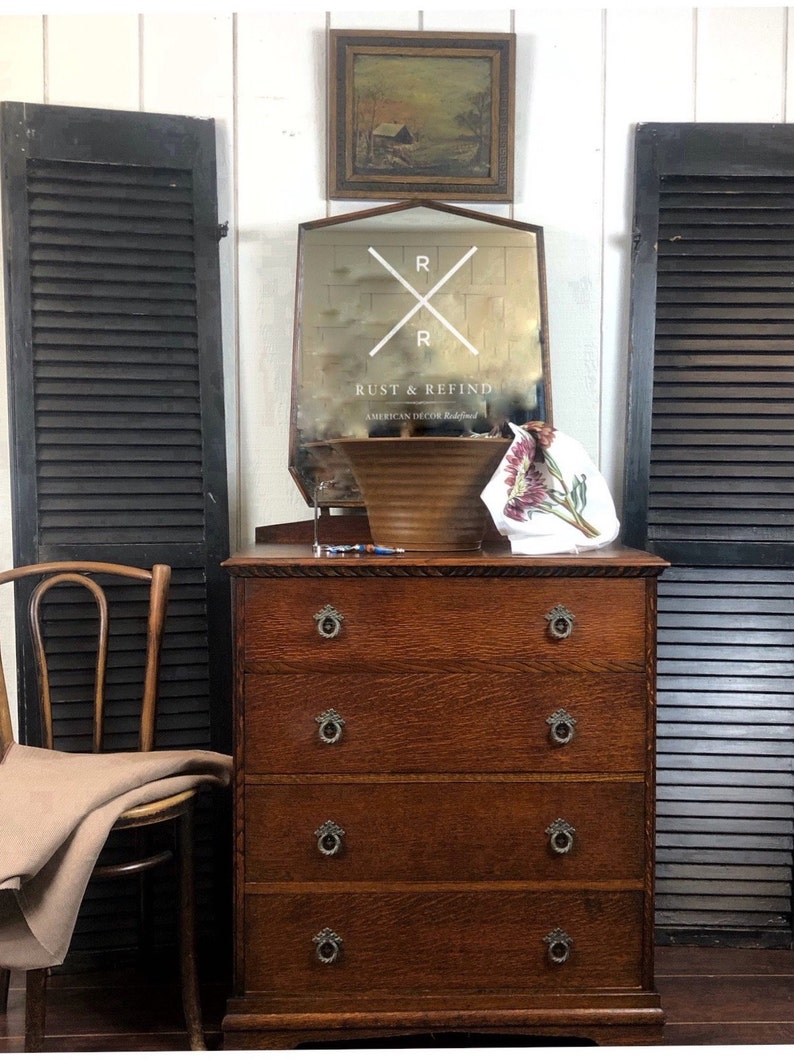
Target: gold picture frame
[421, 115]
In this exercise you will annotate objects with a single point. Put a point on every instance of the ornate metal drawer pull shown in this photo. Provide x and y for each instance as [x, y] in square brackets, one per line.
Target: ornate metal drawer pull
[327, 945]
[329, 622]
[560, 945]
[331, 725]
[561, 727]
[329, 838]
[561, 834]
[560, 622]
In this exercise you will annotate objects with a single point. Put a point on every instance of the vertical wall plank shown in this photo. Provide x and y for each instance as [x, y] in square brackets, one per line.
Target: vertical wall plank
[497, 20]
[788, 59]
[649, 58]
[375, 19]
[22, 58]
[281, 159]
[741, 63]
[558, 185]
[201, 82]
[93, 61]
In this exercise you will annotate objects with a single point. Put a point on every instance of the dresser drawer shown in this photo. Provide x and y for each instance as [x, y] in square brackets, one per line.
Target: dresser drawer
[453, 722]
[415, 622]
[441, 940]
[444, 831]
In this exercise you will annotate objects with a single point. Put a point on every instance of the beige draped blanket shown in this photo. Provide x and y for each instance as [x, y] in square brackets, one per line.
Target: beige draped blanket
[56, 810]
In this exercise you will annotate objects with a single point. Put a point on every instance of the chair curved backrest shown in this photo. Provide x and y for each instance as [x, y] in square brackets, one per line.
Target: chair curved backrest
[50, 575]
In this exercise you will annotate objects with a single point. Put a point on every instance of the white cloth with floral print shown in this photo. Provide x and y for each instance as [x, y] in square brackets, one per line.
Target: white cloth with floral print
[548, 496]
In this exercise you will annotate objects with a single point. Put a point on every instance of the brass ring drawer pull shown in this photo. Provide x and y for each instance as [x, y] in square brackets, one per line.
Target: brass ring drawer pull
[330, 726]
[561, 834]
[560, 945]
[560, 622]
[561, 727]
[327, 945]
[329, 622]
[329, 838]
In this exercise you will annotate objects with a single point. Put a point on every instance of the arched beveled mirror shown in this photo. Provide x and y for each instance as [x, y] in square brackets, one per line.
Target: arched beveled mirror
[413, 318]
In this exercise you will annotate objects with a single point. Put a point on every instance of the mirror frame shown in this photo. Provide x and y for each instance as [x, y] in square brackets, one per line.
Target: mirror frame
[330, 462]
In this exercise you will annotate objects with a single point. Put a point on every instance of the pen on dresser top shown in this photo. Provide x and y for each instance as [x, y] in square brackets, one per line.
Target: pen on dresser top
[360, 549]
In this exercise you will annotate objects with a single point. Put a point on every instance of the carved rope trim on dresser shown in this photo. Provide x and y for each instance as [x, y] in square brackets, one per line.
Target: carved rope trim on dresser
[273, 571]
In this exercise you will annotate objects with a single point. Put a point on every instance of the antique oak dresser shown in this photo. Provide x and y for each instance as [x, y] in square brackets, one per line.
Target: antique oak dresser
[444, 796]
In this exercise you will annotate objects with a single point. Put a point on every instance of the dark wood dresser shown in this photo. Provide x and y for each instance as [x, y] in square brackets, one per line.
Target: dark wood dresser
[444, 796]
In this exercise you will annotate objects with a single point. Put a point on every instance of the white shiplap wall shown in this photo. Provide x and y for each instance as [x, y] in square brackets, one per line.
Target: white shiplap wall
[585, 75]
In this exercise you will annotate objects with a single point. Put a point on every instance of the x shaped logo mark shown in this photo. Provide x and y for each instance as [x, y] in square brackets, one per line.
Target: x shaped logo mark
[423, 301]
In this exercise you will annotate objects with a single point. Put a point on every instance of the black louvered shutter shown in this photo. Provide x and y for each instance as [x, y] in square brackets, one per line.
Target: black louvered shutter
[710, 486]
[117, 423]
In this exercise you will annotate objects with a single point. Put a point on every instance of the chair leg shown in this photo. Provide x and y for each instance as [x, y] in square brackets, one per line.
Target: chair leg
[35, 1009]
[191, 1002]
[145, 948]
[5, 981]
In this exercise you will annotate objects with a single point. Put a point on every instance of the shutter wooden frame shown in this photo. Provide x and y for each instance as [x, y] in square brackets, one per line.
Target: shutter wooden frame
[725, 813]
[164, 167]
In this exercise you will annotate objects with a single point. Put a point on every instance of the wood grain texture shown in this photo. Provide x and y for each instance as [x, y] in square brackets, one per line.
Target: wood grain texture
[443, 722]
[443, 940]
[396, 622]
[475, 830]
[492, 560]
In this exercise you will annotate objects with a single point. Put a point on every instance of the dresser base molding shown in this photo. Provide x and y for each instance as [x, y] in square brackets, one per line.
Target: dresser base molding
[618, 1018]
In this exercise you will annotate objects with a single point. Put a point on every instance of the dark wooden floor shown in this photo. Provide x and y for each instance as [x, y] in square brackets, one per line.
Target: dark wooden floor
[710, 996]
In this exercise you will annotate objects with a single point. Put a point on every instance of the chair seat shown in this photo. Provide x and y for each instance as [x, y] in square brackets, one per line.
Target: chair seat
[156, 812]
[147, 815]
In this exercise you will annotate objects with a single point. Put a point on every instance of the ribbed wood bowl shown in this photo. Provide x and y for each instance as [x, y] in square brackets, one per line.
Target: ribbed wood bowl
[423, 493]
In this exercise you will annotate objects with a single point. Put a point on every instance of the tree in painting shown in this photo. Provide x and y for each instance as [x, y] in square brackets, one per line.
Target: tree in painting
[477, 121]
[369, 103]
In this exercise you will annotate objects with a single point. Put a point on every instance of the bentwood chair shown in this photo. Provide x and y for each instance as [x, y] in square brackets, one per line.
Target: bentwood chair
[90, 577]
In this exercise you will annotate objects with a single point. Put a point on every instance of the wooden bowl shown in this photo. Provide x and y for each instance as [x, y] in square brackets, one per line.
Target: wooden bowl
[423, 493]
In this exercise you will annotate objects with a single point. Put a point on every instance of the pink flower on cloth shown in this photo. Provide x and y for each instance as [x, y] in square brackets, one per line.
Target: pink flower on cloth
[547, 495]
[526, 488]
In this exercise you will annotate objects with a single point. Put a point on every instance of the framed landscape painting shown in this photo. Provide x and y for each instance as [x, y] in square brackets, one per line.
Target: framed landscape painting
[421, 115]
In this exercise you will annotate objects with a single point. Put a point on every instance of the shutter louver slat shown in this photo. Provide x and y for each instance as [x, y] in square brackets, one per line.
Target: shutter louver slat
[725, 690]
[747, 227]
[184, 695]
[80, 426]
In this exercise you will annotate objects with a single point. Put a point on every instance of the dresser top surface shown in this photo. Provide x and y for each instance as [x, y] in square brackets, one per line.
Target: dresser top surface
[263, 560]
